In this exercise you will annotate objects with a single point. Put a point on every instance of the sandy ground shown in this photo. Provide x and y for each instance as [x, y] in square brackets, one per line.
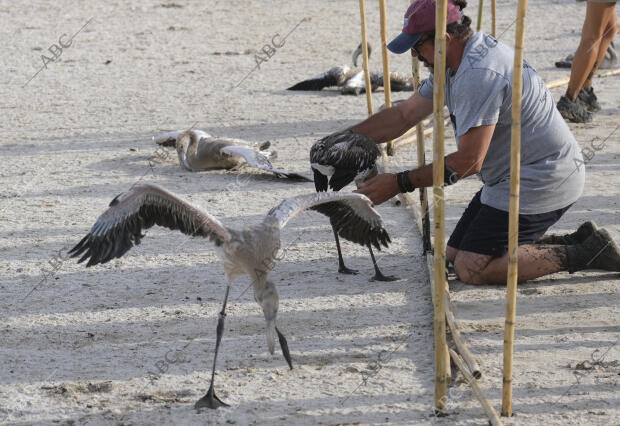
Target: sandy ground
[131, 342]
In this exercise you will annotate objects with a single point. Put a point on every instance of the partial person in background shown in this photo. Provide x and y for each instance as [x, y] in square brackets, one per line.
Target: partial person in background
[599, 28]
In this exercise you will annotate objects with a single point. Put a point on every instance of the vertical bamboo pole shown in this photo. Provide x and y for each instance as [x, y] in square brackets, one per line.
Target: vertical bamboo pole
[419, 128]
[479, 23]
[365, 57]
[493, 19]
[441, 348]
[513, 224]
[387, 90]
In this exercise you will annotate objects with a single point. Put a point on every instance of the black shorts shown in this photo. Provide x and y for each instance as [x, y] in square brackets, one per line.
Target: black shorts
[484, 230]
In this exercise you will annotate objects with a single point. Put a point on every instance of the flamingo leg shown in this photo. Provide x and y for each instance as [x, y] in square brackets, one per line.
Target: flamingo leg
[210, 400]
[341, 268]
[285, 351]
[378, 274]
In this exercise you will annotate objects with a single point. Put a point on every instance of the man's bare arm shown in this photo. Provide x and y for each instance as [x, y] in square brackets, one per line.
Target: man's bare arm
[393, 122]
[466, 161]
[473, 147]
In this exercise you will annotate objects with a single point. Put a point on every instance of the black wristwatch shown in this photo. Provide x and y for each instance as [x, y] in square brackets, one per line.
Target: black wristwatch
[404, 184]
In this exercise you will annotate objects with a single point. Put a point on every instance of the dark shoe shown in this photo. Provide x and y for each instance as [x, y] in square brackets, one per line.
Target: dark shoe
[573, 110]
[610, 60]
[565, 63]
[598, 251]
[579, 236]
[588, 99]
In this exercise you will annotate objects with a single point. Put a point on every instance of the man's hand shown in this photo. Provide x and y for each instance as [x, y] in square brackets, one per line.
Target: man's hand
[380, 188]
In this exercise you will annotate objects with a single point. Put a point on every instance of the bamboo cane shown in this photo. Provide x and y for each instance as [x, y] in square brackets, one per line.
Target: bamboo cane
[430, 267]
[563, 81]
[387, 91]
[426, 224]
[486, 405]
[479, 23]
[404, 141]
[408, 137]
[441, 348]
[459, 340]
[493, 19]
[608, 73]
[558, 83]
[513, 221]
[408, 201]
[365, 57]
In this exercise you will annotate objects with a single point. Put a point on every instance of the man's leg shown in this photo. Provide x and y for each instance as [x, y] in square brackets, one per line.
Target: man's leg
[598, 251]
[462, 227]
[534, 262]
[451, 253]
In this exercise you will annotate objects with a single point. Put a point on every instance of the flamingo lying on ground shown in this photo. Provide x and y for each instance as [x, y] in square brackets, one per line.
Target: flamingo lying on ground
[198, 150]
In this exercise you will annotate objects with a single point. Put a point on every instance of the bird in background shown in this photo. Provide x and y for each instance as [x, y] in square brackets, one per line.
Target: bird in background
[198, 150]
[351, 79]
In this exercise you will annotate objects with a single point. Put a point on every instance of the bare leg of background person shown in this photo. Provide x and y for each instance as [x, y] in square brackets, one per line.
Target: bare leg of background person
[611, 28]
[594, 27]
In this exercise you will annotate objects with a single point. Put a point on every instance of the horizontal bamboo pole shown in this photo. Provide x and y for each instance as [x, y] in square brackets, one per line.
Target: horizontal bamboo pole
[486, 405]
[407, 139]
[409, 136]
[564, 81]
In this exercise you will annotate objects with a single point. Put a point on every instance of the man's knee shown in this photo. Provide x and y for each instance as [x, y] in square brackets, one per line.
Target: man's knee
[451, 253]
[470, 267]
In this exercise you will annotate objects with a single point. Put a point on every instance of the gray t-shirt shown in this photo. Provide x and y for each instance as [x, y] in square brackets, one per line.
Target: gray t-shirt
[480, 93]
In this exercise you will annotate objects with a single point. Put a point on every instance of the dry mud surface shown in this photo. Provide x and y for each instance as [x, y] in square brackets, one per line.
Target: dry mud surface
[131, 342]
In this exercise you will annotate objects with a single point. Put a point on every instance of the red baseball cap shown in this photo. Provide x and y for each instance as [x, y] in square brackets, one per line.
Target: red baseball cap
[420, 18]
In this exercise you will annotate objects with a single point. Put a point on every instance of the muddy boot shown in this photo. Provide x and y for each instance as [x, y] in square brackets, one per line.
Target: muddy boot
[579, 236]
[589, 100]
[598, 251]
[573, 110]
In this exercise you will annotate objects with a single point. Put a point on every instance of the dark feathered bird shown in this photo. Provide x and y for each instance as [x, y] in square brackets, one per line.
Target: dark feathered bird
[357, 83]
[335, 76]
[336, 161]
